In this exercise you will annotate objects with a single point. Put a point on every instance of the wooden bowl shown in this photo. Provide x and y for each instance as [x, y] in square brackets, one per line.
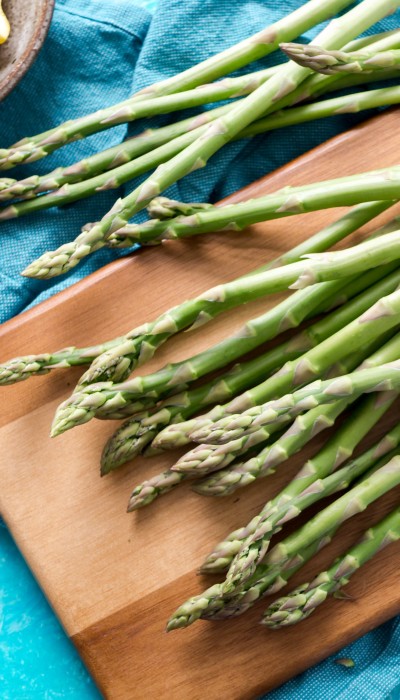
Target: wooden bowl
[29, 20]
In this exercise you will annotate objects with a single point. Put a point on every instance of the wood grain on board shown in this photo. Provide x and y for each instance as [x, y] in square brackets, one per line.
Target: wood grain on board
[112, 578]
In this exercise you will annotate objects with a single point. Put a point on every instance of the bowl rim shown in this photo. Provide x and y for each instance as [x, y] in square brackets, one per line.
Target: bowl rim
[31, 51]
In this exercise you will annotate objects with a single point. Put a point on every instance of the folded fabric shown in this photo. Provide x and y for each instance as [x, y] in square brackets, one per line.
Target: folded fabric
[87, 62]
[97, 53]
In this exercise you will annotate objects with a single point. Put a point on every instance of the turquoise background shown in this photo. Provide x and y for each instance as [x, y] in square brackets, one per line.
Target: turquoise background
[37, 661]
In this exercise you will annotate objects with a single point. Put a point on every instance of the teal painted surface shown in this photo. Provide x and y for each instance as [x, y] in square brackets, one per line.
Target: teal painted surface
[37, 661]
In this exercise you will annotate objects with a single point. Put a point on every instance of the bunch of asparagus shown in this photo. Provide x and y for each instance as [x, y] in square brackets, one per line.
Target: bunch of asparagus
[264, 409]
[336, 352]
[259, 101]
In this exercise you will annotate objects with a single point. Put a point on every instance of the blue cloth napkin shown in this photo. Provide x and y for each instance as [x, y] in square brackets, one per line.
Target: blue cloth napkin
[97, 53]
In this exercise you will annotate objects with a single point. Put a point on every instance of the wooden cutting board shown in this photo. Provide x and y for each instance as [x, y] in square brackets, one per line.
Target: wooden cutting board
[112, 578]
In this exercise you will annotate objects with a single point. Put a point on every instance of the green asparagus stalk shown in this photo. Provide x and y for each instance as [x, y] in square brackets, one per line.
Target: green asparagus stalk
[110, 179]
[138, 145]
[342, 192]
[332, 62]
[103, 395]
[83, 404]
[290, 406]
[299, 604]
[217, 135]
[383, 41]
[336, 451]
[316, 85]
[352, 502]
[233, 217]
[357, 102]
[237, 217]
[130, 149]
[150, 139]
[165, 208]
[253, 48]
[212, 604]
[206, 458]
[6, 182]
[20, 368]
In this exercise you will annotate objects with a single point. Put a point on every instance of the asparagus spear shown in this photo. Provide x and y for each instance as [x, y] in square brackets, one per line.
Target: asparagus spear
[299, 604]
[214, 604]
[165, 208]
[101, 395]
[349, 504]
[20, 368]
[342, 192]
[236, 217]
[6, 182]
[332, 62]
[110, 179]
[206, 458]
[363, 41]
[250, 49]
[316, 360]
[233, 217]
[136, 433]
[337, 450]
[110, 159]
[292, 405]
[316, 85]
[217, 135]
[269, 572]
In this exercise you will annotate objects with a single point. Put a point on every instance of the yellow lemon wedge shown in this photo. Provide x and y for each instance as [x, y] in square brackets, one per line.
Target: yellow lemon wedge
[4, 26]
